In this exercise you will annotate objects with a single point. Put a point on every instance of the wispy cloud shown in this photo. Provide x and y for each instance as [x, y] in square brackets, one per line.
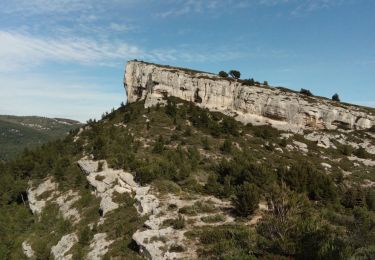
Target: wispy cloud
[21, 51]
[180, 8]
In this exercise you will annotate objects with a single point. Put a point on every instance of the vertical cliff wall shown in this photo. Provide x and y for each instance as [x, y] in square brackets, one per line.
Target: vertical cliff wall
[280, 108]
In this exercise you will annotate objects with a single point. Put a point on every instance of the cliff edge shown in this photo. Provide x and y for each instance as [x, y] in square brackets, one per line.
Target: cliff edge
[259, 105]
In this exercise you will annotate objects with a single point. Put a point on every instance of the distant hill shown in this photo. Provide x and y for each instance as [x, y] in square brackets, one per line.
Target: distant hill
[19, 132]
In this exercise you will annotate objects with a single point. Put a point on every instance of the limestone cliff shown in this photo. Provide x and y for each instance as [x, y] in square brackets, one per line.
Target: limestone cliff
[283, 109]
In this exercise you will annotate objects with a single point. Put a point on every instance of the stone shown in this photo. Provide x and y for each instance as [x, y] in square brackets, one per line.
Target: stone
[65, 202]
[63, 247]
[283, 109]
[301, 146]
[36, 205]
[27, 250]
[98, 246]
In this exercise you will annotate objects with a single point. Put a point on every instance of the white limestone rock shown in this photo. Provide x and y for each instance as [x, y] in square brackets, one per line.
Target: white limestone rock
[301, 146]
[36, 205]
[63, 247]
[282, 109]
[65, 202]
[98, 246]
[27, 250]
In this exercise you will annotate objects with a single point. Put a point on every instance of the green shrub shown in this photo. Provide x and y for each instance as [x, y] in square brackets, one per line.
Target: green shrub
[213, 218]
[226, 147]
[176, 248]
[178, 223]
[223, 74]
[361, 153]
[235, 74]
[306, 92]
[247, 199]
[336, 97]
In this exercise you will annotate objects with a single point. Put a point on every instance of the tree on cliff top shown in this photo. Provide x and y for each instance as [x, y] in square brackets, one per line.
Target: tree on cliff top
[223, 74]
[235, 74]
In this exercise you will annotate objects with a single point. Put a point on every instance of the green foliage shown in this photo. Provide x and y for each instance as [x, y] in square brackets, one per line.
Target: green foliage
[159, 145]
[84, 236]
[226, 147]
[249, 82]
[306, 92]
[336, 97]
[361, 153]
[178, 223]
[235, 74]
[246, 199]
[370, 199]
[223, 74]
[302, 177]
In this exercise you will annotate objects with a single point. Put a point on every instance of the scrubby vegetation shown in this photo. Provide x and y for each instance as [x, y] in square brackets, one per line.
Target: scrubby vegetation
[184, 148]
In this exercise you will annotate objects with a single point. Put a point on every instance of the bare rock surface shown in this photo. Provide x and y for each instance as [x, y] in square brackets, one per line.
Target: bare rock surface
[283, 109]
[35, 203]
[155, 241]
[27, 250]
[108, 181]
[99, 246]
[63, 246]
[65, 202]
[47, 191]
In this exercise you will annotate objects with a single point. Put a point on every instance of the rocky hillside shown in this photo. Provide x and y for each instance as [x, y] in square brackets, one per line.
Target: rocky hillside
[176, 180]
[20, 132]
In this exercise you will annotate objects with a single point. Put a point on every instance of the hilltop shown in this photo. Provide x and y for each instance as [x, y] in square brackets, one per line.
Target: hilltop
[20, 132]
[165, 177]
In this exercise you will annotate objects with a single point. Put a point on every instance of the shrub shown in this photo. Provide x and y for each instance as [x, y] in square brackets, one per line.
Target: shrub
[100, 166]
[306, 92]
[176, 248]
[85, 235]
[336, 97]
[265, 83]
[247, 199]
[159, 145]
[370, 199]
[223, 74]
[361, 153]
[226, 147]
[213, 218]
[235, 74]
[99, 177]
[178, 223]
[249, 82]
[205, 144]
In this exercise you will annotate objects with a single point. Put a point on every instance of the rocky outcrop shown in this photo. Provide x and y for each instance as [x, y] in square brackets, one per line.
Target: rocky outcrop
[283, 109]
[27, 250]
[63, 246]
[36, 203]
[98, 246]
[47, 191]
[108, 181]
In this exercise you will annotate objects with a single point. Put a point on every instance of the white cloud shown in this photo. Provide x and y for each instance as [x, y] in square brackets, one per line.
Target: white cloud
[22, 50]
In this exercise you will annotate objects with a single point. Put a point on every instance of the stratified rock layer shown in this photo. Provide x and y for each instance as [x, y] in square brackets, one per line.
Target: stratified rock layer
[283, 109]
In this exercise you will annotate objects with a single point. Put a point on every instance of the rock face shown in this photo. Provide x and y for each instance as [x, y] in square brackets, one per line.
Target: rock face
[63, 246]
[283, 109]
[27, 250]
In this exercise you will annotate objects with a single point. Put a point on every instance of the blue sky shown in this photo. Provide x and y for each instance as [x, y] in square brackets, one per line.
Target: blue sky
[66, 58]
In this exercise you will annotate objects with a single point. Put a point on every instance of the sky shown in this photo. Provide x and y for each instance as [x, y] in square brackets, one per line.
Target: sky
[66, 58]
